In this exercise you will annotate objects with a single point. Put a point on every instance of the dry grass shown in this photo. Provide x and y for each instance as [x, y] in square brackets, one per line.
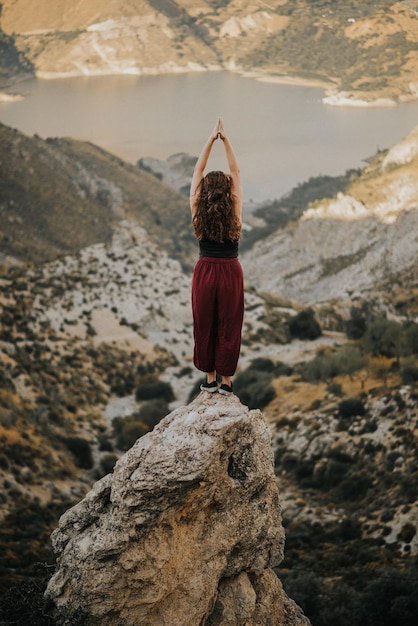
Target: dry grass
[294, 395]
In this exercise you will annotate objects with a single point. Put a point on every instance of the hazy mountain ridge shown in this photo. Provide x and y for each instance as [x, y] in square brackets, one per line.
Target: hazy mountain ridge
[84, 194]
[363, 52]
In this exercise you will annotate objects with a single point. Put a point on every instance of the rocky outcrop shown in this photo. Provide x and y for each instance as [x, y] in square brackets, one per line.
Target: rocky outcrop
[184, 532]
[320, 260]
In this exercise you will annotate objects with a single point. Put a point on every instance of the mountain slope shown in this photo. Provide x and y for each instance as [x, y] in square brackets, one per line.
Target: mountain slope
[367, 49]
[59, 195]
[350, 243]
[13, 64]
[66, 38]
[363, 50]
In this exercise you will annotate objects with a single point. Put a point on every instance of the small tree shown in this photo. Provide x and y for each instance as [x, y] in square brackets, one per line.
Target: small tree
[351, 407]
[154, 389]
[383, 337]
[304, 325]
[254, 388]
[80, 449]
[356, 326]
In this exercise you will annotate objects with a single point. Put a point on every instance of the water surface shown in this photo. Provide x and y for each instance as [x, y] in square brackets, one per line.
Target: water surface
[282, 134]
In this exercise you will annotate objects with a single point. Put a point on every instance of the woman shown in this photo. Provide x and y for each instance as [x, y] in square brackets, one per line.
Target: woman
[217, 285]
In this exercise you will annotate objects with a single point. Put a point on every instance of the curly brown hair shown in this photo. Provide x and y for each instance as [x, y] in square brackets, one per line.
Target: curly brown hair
[216, 218]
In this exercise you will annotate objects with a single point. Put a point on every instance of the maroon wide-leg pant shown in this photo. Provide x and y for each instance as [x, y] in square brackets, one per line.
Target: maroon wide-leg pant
[218, 313]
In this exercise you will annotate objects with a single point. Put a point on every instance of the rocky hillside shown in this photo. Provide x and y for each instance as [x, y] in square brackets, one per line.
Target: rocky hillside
[346, 245]
[361, 51]
[96, 346]
[84, 194]
[78, 337]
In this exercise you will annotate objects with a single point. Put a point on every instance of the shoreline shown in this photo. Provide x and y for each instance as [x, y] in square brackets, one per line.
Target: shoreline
[282, 79]
[10, 97]
[343, 99]
[331, 97]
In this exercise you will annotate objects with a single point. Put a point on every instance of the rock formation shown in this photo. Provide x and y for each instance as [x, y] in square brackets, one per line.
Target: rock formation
[184, 532]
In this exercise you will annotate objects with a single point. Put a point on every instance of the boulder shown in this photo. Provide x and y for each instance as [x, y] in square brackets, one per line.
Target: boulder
[185, 532]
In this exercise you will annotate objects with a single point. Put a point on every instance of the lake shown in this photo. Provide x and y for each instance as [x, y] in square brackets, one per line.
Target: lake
[282, 134]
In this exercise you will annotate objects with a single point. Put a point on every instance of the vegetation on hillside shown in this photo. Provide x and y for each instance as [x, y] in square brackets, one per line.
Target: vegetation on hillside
[13, 62]
[54, 439]
[363, 47]
[85, 192]
[346, 546]
[353, 483]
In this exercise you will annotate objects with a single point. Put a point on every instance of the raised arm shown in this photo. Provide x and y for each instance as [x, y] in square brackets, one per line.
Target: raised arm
[233, 169]
[199, 168]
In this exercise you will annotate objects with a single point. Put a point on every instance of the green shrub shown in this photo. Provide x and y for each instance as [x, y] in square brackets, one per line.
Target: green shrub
[282, 369]
[154, 389]
[383, 337]
[25, 604]
[304, 325]
[353, 487]
[152, 412]
[328, 365]
[335, 388]
[409, 374]
[121, 384]
[305, 589]
[262, 364]
[80, 449]
[330, 473]
[254, 388]
[322, 367]
[128, 429]
[410, 339]
[356, 326]
[390, 599]
[352, 407]
[107, 463]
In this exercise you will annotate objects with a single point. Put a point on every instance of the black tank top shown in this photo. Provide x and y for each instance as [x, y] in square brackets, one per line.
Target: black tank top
[227, 249]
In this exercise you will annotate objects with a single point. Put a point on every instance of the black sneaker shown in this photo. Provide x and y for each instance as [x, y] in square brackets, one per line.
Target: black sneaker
[211, 387]
[225, 390]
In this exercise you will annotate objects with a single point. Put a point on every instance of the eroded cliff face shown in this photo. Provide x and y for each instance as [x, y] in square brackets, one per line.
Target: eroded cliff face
[185, 531]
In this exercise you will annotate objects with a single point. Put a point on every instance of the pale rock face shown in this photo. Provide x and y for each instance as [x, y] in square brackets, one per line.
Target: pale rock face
[324, 258]
[401, 195]
[403, 152]
[235, 26]
[343, 207]
[185, 531]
